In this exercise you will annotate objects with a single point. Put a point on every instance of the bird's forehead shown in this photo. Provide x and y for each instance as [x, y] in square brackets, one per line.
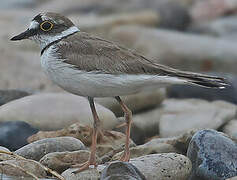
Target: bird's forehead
[43, 17]
[33, 24]
[55, 18]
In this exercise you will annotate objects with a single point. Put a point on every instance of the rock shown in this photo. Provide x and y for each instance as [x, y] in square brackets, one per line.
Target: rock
[144, 126]
[194, 114]
[173, 15]
[136, 103]
[101, 25]
[224, 27]
[16, 4]
[9, 95]
[4, 149]
[213, 155]
[110, 141]
[38, 149]
[186, 91]
[13, 135]
[154, 166]
[233, 178]
[163, 166]
[178, 144]
[65, 109]
[146, 149]
[79, 131]
[61, 161]
[29, 166]
[208, 53]
[89, 174]
[120, 177]
[5, 156]
[231, 128]
[121, 170]
[160, 15]
[211, 9]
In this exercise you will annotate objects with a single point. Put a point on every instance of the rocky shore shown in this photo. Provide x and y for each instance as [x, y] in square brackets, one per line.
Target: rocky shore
[178, 133]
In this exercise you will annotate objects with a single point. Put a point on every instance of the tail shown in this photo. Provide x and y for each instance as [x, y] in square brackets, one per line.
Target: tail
[193, 78]
[204, 80]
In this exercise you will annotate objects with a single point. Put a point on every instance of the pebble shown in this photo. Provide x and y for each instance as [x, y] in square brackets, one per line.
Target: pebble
[161, 46]
[233, 178]
[144, 126]
[14, 134]
[121, 170]
[4, 149]
[231, 128]
[177, 144]
[52, 111]
[30, 166]
[101, 25]
[110, 141]
[167, 166]
[89, 174]
[146, 149]
[213, 155]
[61, 161]
[163, 166]
[180, 142]
[9, 95]
[38, 149]
[193, 114]
[211, 9]
[224, 27]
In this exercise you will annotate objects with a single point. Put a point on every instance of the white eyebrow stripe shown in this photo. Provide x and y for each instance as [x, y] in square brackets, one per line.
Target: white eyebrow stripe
[34, 25]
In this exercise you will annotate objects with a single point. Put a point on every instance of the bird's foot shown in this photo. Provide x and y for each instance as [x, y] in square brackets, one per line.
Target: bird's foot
[125, 157]
[84, 166]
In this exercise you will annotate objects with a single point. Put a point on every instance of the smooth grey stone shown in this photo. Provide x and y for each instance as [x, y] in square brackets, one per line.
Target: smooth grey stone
[175, 48]
[163, 166]
[121, 169]
[120, 177]
[38, 149]
[231, 128]
[53, 111]
[189, 114]
[9, 95]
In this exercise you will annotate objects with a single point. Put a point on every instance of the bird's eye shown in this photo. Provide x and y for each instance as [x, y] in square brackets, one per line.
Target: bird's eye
[46, 26]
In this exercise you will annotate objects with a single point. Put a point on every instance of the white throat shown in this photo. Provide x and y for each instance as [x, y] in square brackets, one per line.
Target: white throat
[44, 40]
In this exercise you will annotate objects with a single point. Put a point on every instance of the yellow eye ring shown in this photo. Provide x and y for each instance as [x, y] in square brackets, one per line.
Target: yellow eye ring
[46, 26]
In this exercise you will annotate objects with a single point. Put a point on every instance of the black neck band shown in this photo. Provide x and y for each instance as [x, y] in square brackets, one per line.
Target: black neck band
[50, 44]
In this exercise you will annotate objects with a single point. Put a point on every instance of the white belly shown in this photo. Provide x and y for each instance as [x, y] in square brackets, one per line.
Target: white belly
[97, 84]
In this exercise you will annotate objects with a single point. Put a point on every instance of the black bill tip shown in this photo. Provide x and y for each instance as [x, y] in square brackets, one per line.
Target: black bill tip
[15, 38]
[25, 35]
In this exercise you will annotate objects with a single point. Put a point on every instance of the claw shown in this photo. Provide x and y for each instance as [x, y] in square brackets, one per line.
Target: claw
[83, 166]
[125, 157]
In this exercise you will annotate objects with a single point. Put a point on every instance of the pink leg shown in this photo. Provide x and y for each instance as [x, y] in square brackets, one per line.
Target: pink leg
[128, 118]
[92, 158]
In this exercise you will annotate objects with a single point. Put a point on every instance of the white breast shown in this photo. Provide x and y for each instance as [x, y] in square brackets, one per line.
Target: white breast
[96, 84]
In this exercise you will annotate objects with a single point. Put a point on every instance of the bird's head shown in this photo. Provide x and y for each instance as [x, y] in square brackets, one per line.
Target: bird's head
[46, 28]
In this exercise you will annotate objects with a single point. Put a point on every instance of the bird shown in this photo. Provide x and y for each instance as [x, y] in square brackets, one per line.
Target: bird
[87, 65]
